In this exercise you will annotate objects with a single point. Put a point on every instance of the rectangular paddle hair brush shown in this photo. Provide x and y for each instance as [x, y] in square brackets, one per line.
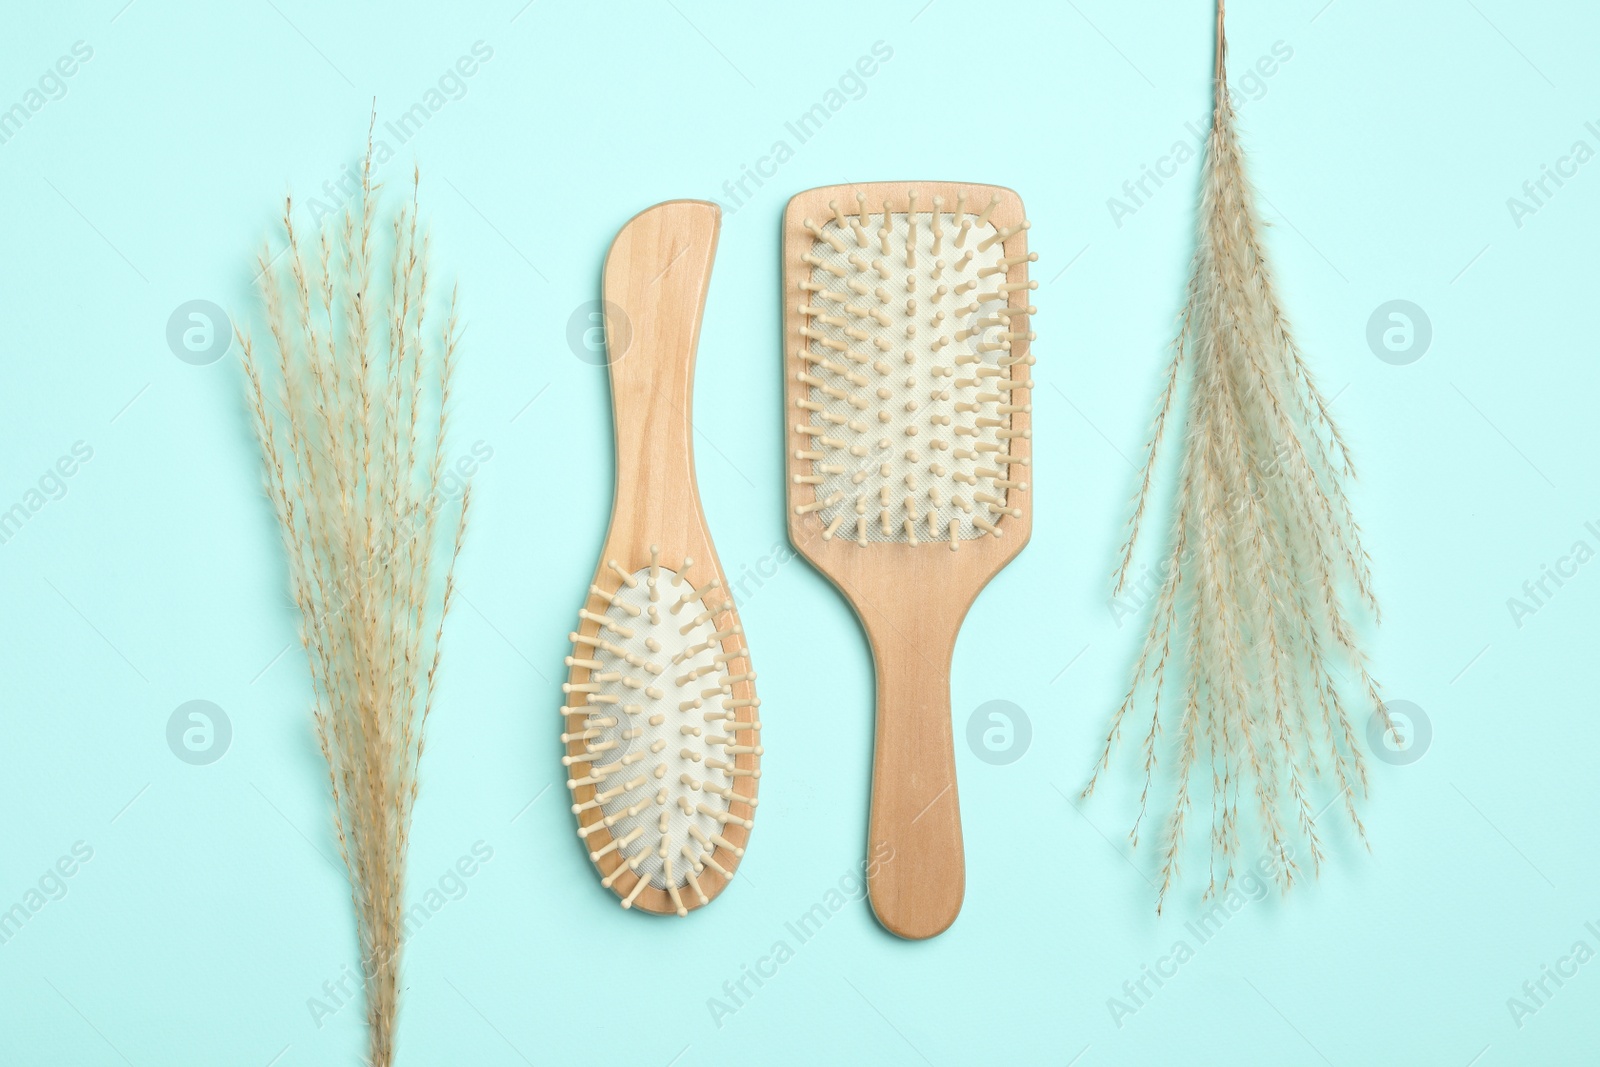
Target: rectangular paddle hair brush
[906, 351]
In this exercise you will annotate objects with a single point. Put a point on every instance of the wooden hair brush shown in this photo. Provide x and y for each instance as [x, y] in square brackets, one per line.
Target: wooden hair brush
[906, 341]
[660, 726]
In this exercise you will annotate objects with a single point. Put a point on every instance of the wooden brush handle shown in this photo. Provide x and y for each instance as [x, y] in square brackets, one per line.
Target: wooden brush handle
[655, 283]
[918, 876]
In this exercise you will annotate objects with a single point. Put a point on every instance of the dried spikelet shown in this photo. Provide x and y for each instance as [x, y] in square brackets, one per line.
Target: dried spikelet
[352, 428]
[1250, 626]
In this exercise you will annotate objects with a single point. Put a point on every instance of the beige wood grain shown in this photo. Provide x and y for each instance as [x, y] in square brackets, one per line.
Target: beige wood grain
[911, 601]
[655, 281]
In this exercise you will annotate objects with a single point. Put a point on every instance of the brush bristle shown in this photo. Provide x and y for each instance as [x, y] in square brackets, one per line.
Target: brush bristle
[909, 329]
[660, 729]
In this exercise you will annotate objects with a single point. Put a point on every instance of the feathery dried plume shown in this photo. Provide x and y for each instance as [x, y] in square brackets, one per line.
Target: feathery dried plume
[1251, 622]
[352, 429]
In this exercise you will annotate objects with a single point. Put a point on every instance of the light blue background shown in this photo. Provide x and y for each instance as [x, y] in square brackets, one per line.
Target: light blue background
[211, 912]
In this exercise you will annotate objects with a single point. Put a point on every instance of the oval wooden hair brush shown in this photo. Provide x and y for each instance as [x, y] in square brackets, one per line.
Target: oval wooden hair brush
[905, 330]
[660, 726]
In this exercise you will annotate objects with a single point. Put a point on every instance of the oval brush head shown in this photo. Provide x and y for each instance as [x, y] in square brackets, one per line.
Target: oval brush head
[656, 731]
[910, 336]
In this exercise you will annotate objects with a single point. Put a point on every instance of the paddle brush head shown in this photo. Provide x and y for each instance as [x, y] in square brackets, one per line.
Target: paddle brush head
[907, 320]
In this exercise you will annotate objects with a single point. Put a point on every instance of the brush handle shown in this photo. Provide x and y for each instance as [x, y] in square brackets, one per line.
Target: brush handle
[656, 276]
[918, 873]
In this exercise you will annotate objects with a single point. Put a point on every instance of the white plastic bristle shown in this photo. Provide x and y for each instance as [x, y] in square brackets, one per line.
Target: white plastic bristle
[611, 599]
[983, 219]
[1001, 236]
[996, 504]
[723, 817]
[911, 230]
[609, 880]
[704, 616]
[605, 623]
[617, 843]
[672, 884]
[711, 842]
[633, 894]
[690, 876]
[696, 594]
[836, 269]
[709, 860]
[822, 235]
[728, 794]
